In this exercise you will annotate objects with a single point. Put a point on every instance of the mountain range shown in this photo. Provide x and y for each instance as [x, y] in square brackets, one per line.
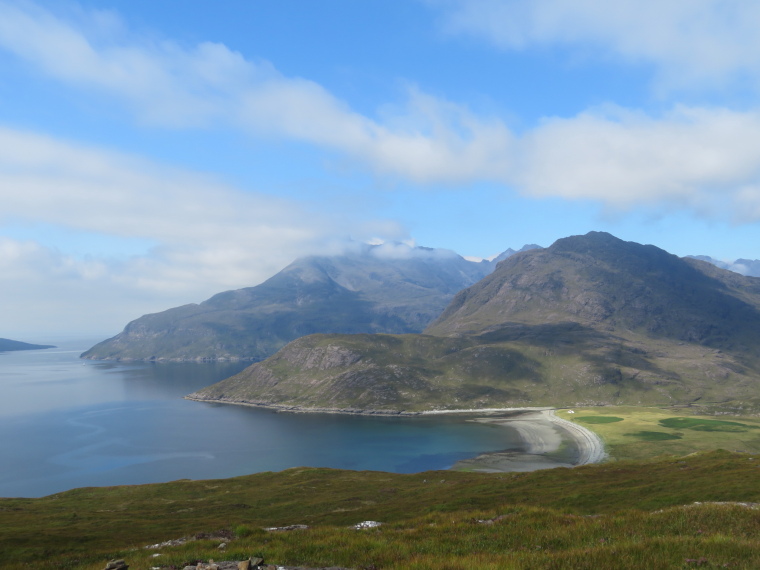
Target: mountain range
[589, 320]
[388, 288]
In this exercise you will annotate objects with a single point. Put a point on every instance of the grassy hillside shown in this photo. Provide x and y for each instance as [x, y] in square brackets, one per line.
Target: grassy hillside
[553, 365]
[621, 515]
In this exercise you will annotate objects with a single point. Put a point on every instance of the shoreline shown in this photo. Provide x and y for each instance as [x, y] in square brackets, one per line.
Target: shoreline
[302, 410]
[589, 444]
[544, 434]
[545, 444]
[362, 411]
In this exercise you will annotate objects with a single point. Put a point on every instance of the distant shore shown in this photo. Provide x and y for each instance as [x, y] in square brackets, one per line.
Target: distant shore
[548, 441]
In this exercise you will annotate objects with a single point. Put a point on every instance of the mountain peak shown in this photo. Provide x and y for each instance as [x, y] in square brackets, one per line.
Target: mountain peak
[594, 242]
[599, 280]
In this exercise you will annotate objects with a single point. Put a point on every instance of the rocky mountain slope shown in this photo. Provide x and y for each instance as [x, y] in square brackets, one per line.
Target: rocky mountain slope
[590, 320]
[391, 288]
[7, 345]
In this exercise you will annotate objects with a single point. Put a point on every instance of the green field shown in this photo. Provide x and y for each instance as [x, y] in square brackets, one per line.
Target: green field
[644, 433]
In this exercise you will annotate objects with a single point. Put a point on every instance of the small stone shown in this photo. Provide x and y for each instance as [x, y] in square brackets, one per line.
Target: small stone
[244, 565]
[117, 565]
[367, 524]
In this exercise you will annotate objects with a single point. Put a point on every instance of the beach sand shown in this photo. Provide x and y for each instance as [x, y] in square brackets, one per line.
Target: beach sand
[547, 442]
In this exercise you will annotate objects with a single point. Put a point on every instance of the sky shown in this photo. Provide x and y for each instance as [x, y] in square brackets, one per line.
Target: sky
[155, 153]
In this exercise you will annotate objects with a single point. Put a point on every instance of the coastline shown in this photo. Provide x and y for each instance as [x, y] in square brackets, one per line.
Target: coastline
[302, 410]
[548, 440]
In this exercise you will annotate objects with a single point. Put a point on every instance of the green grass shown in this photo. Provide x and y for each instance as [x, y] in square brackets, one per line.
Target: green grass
[517, 537]
[620, 514]
[599, 419]
[654, 435]
[633, 437]
[701, 424]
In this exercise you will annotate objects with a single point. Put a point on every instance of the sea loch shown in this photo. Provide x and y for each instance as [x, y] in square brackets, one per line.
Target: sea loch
[67, 423]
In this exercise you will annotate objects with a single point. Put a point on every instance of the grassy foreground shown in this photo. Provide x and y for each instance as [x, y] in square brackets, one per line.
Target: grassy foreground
[614, 515]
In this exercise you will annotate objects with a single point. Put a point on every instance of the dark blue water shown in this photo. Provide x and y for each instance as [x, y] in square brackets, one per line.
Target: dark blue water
[67, 423]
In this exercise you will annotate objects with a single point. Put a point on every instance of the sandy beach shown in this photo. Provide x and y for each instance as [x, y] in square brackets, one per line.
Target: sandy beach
[548, 442]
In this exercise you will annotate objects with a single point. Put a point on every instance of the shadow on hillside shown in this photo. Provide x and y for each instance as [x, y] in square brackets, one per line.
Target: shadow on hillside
[605, 352]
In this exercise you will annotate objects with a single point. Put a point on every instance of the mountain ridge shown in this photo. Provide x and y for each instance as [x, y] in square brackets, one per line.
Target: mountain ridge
[389, 288]
[590, 320]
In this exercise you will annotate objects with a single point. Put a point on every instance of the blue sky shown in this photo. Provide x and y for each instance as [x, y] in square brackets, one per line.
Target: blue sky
[154, 153]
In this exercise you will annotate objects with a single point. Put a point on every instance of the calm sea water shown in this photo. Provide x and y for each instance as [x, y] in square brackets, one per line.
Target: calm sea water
[67, 423]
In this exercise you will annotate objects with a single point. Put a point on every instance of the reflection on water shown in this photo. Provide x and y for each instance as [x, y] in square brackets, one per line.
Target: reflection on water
[68, 423]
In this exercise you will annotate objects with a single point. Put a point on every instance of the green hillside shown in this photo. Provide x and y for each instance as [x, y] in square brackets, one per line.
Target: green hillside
[616, 515]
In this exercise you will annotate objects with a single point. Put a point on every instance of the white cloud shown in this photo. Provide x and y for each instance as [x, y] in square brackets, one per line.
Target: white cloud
[691, 42]
[705, 159]
[210, 237]
[409, 250]
[209, 84]
[739, 268]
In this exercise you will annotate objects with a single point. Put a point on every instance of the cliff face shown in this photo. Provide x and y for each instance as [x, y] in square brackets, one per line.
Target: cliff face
[372, 290]
[591, 319]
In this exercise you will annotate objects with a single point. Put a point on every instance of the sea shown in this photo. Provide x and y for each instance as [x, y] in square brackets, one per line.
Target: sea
[68, 423]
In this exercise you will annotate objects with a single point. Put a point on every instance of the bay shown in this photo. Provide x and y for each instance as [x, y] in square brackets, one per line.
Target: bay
[67, 423]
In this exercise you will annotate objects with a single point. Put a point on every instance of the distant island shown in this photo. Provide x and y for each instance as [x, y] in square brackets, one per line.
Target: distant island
[7, 345]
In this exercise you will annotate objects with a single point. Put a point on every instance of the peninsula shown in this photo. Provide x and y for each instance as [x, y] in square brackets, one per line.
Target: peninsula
[7, 345]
